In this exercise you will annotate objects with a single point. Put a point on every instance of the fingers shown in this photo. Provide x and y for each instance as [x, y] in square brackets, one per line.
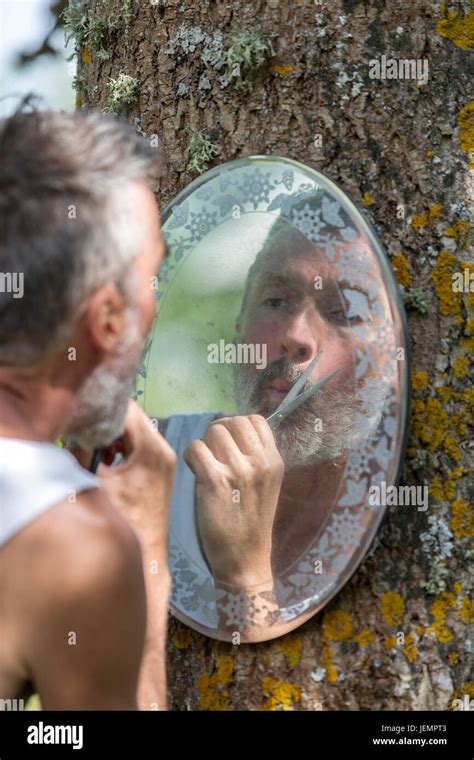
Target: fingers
[242, 431]
[222, 444]
[263, 430]
[200, 461]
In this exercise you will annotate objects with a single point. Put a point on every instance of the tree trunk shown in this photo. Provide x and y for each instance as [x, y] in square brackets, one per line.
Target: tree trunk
[398, 635]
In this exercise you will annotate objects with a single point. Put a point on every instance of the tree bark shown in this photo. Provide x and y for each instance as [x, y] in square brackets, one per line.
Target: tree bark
[401, 150]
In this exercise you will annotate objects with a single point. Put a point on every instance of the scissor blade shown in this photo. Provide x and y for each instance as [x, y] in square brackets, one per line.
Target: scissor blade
[275, 418]
[296, 387]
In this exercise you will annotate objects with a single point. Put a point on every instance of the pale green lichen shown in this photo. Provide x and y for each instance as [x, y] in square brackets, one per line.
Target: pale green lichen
[121, 92]
[248, 50]
[414, 299]
[238, 56]
[90, 28]
[437, 545]
[201, 151]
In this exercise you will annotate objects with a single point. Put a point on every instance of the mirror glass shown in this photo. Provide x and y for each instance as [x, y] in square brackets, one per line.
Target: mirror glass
[273, 270]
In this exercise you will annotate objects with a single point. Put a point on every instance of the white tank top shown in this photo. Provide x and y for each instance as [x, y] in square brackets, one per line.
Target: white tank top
[33, 478]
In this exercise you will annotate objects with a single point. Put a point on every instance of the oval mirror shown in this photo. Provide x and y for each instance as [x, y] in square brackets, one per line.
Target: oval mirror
[280, 350]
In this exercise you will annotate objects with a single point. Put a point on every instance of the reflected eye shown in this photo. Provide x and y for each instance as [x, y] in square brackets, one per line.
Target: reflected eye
[340, 315]
[273, 303]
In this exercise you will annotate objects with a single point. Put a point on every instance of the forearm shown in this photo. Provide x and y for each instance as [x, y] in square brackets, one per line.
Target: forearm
[152, 686]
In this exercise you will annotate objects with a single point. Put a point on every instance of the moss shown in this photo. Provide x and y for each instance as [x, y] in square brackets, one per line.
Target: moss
[121, 92]
[201, 151]
[291, 645]
[458, 29]
[212, 692]
[401, 268]
[392, 608]
[337, 626]
[281, 694]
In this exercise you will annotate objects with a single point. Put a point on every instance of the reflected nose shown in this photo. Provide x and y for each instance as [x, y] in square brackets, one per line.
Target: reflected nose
[299, 340]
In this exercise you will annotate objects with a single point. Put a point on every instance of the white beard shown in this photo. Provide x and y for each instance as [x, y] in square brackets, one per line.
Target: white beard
[102, 402]
[298, 438]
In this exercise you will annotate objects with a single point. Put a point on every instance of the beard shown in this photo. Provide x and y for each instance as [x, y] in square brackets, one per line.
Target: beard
[323, 428]
[102, 402]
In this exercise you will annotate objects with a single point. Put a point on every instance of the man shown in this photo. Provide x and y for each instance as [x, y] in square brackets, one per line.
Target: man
[84, 582]
[296, 304]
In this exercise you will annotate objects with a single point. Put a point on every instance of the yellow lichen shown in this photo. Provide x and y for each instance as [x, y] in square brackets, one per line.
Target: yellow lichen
[458, 29]
[435, 210]
[326, 661]
[458, 231]
[281, 694]
[291, 645]
[453, 658]
[466, 127]
[182, 638]
[392, 607]
[419, 221]
[466, 610]
[439, 609]
[434, 426]
[450, 300]
[401, 268]
[282, 70]
[462, 522]
[364, 638]
[419, 380]
[429, 154]
[390, 642]
[337, 626]
[409, 650]
[212, 692]
[86, 54]
[429, 217]
[461, 367]
[447, 489]
[367, 199]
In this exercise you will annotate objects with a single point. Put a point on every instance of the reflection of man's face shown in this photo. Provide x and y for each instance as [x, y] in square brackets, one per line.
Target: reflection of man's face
[296, 307]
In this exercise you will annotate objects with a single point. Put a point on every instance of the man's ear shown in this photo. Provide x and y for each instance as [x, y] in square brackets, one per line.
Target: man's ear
[104, 315]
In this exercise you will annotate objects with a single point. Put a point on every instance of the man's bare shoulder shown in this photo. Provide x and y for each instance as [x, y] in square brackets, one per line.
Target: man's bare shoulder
[76, 591]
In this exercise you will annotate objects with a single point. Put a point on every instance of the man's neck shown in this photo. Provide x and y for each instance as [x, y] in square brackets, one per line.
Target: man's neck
[32, 409]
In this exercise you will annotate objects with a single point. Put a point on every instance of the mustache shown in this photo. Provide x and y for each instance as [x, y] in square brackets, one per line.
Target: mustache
[282, 369]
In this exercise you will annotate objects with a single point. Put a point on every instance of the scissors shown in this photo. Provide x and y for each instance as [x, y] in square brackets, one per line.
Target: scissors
[294, 398]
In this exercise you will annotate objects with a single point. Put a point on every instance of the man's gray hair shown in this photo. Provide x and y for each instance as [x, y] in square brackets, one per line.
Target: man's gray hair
[66, 220]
